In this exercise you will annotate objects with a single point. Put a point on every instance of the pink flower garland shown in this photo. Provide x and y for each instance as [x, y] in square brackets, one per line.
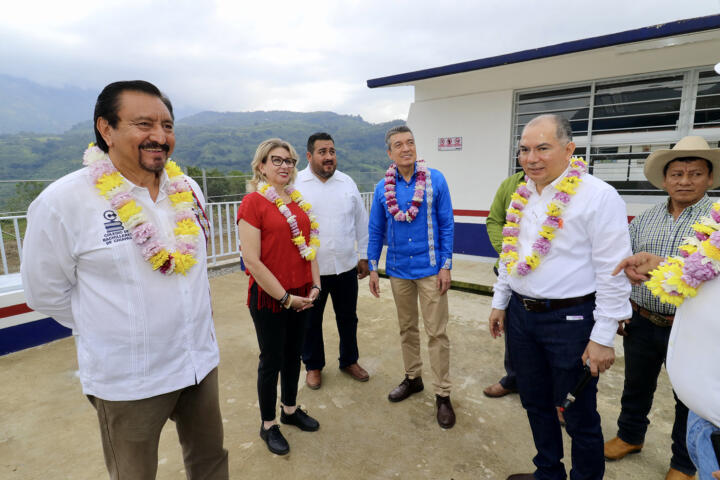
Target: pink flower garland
[391, 199]
[307, 250]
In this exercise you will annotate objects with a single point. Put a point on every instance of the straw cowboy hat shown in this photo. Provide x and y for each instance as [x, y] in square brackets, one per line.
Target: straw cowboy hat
[686, 147]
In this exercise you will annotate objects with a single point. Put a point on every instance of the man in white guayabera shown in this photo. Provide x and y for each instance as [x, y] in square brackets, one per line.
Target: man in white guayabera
[117, 252]
[565, 231]
[341, 214]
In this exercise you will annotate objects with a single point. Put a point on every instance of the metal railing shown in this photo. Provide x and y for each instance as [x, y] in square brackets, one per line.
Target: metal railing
[223, 244]
[367, 198]
[11, 235]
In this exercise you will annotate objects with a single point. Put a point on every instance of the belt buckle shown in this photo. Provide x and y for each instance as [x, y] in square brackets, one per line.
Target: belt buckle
[531, 304]
[659, 320]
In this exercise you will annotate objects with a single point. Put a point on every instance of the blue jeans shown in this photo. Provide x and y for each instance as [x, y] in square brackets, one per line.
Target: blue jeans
[699, 446]
[546, 349]
[645, 349]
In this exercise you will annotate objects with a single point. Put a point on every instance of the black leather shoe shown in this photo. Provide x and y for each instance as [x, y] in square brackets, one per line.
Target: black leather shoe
[300, 419]
[276, 443]
[445, 412]
[406, 388]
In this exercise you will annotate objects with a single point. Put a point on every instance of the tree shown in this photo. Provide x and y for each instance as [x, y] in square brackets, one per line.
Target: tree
[25, 193]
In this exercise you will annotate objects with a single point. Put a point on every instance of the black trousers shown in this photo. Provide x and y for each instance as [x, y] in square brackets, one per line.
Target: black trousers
[645, 350]
[280, 338]
[343, 290]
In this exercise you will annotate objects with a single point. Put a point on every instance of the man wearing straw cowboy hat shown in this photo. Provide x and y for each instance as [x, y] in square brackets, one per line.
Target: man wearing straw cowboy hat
[686, 173]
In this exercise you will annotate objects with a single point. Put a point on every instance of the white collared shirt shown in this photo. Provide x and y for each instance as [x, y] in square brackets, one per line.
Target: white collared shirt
[692, 362]
[342, 217]
[138, 333]
[594, 238]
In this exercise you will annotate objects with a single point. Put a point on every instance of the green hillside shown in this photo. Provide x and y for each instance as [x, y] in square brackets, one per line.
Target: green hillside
[220, 143]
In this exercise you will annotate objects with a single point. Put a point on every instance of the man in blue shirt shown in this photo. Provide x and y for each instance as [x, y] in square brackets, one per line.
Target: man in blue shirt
[413, 213]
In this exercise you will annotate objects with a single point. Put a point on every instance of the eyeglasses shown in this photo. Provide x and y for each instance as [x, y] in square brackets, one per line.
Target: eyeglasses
[277, 161]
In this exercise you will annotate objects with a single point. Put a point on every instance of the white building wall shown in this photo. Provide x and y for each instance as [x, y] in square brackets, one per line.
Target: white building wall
[483, 121]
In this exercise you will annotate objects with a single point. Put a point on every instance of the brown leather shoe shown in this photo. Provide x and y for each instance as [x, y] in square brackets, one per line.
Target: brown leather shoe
[357, 372]
[445, 412]
[406, 388]
[616, 449]
[496, 390]
[314, 379]
[521, 476]
[677, 475]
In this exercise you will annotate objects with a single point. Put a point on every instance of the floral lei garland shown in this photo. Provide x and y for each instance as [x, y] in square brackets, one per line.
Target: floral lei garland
[566, 189]
[680, 277]
[112, 185]
[391, 199]
[307, 250]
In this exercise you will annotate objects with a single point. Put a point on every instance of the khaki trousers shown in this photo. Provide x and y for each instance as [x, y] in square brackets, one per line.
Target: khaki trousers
[130, 432]
[434, 308]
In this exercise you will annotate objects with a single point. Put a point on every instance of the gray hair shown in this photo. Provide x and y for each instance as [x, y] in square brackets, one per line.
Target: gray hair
[394, 131]
[563, 130]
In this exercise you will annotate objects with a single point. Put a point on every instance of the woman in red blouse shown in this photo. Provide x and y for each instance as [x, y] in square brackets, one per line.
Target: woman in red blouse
[279, 253]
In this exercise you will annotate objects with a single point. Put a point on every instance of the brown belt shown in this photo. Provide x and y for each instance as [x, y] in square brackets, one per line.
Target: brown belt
[655, 318]
[546, 304]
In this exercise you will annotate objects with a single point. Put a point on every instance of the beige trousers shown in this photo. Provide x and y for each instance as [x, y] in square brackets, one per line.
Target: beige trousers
[434, 308]
[130, 432]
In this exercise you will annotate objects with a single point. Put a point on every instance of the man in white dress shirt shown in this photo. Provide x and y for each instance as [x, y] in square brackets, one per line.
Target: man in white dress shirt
[565, 308]
[343, 222]
[144, 331]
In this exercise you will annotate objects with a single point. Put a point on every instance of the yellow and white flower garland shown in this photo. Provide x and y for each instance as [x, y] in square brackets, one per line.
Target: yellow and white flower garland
[112, 185]
[566, 189]
[680, 277]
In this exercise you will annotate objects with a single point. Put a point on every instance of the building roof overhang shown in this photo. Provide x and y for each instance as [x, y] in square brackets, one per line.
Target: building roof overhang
[679, 27]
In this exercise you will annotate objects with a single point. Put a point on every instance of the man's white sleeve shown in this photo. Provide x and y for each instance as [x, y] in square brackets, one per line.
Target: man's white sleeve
[48, 267]
[501, 289]
[610, 244]
[361, 224]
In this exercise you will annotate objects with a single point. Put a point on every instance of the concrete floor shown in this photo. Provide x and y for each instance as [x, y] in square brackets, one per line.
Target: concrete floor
[48, 430]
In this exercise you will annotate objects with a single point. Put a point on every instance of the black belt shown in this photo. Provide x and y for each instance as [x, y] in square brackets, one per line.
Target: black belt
[548, 304]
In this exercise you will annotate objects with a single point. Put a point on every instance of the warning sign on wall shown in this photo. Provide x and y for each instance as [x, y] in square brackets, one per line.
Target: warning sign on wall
[449, 143]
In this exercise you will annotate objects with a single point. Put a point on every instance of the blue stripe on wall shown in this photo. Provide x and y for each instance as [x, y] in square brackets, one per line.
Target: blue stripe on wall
[31, 334]
[472, 239]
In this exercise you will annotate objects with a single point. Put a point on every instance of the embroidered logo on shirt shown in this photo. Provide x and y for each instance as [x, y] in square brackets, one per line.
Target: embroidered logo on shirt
[114, 230]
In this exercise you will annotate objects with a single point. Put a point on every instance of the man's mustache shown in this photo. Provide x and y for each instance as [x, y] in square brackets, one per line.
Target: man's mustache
[163, 146]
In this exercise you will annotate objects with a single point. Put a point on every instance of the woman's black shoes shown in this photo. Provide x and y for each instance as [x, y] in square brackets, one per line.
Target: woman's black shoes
[300, 419]
[276, 443]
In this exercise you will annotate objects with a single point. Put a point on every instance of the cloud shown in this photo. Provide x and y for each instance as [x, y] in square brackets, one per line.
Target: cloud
[233, 56]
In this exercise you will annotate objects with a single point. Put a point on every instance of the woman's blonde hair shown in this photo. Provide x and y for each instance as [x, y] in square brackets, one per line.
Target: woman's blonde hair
[261, 156]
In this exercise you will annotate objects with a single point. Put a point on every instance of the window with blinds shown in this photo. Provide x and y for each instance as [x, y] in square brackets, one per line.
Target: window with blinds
[617, 123]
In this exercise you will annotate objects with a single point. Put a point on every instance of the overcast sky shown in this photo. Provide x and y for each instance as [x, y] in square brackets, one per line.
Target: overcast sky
[233, 55]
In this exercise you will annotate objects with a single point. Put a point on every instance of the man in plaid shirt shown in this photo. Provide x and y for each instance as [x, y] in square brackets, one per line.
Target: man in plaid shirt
[686, 175]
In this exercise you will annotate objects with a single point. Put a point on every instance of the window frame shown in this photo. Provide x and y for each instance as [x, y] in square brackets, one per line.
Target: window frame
[592, 139]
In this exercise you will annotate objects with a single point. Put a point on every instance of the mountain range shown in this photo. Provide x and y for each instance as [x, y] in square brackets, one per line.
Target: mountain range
[44, 130]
